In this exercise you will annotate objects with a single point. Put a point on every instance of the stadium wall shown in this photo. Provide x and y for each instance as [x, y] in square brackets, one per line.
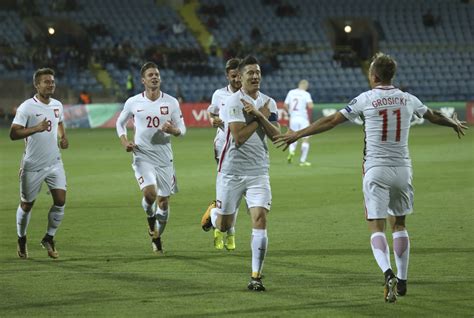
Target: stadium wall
[195, 114]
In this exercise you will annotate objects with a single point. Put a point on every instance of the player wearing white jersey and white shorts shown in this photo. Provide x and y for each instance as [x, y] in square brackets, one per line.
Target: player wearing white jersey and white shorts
[216, 116]
[297, 103]
[387, 181]
[156, 116]
[39, 120]
[250, 116]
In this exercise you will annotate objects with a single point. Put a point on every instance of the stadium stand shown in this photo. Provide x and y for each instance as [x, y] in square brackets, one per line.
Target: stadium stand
[293, 40]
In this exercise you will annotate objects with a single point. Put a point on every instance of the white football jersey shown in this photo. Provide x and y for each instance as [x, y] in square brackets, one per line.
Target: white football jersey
[41, 148]
[387, 112]
[217, 106]
[148, 117]
[251, 158]
[297, 101]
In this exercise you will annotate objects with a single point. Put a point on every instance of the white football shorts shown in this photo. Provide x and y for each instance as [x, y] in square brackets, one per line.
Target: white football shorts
[231, 188]
[297, 123]
[162, 177]
[31, 181]
[388, 191]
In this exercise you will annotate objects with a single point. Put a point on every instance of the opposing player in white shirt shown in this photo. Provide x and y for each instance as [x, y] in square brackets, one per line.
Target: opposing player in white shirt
[156, 116]
[216, 114]
[297, 103]
[39, 120]
[387, 181]
[250, 116]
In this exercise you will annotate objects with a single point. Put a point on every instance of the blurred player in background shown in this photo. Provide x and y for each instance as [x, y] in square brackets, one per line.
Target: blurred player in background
[216, 113]
[250, 116]
[39, 120]
[297, 103]
[156, 116]
[387, 181]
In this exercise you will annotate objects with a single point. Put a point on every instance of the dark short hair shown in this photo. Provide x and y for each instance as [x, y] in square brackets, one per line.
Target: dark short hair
[248, 60]
[42, 71]
[232, 64]
[146, 66]
[384, 67]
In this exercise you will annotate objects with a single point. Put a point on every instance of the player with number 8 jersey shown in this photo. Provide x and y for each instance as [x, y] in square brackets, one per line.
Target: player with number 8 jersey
[156, 116]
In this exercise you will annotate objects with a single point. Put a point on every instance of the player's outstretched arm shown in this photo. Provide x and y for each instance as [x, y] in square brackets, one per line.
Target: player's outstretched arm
[20, 132]
[438, 118]
[321, 125]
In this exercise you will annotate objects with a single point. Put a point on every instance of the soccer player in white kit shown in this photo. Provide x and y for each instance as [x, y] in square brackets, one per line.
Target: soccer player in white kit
[297, 103]
[387, 181]
[243, 166]
[216, 113]
[39, 120]
[156, 116]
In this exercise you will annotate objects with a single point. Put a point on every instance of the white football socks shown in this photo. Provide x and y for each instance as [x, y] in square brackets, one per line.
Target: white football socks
[401, 251]
[304, 151]
[381, 251]
[55, 216]
[149, 208]
[162, 217]
[259, 244]
[22, 221]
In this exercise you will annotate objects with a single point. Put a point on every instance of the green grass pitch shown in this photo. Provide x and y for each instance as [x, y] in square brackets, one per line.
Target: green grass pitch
[319, 261]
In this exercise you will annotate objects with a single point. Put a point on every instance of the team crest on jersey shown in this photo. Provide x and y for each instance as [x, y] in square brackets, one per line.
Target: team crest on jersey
[56, 113]
[164, 110]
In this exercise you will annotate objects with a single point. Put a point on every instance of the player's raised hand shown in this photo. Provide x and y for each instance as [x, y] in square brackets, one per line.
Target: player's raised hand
[249, 108]
[460, 125]
[63, 142]
[42, 126]
[286, 139]
[265, 110]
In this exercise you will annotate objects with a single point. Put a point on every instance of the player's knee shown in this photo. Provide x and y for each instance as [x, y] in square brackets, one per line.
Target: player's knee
[150, 197]
[163, 204]
[59, 201]
[26, 206]
[259, 220]
[399, 224]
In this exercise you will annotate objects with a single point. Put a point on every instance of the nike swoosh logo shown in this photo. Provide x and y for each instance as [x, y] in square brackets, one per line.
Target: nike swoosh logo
[140, 110]
[38, 115]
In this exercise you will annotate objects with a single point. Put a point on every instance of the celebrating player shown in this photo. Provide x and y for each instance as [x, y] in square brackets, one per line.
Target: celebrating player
[216, 113]
[156, 116]
[387, 181]
[39, 120]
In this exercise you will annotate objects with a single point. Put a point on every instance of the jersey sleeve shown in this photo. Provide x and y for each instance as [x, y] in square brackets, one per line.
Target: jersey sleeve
[214, 107]
[21, 117]
[354, 109]
[61, 113]
[177, 119]
[121, 124]
[308, 98]
[234, 111]
[418, 107]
